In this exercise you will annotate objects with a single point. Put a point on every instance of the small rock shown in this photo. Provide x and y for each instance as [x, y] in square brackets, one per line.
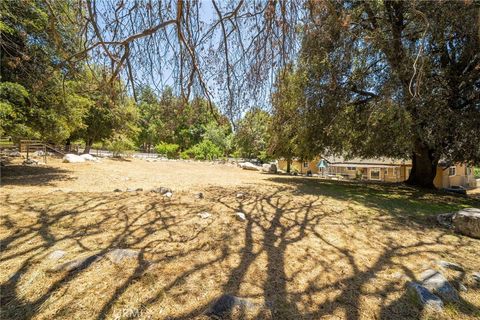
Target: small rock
[14, 154]
[118, 255]
[117, 190]
[462, 287]
[400, 276]
[199, 195]
[445, 219]
[450, 265]
[240, 195]
[476, 277]
[30, 162]
[227, 303]
[139, 189]
[424, 297]
[79, 263]
[204, 215]
[168, 194]
[438, 284]
[161, 190]
[56, 255]
[240, 216]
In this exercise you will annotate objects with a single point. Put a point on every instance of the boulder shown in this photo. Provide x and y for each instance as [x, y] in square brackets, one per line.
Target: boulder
[435, 281]
[88, 157]
[424, 297]
[249, 166]
[227, 303]
[467, 222]
[139, 189]
[168, 194]
[119, 255]
[269, 167]
[73, 158]
[117, 190]
[240, 195]
[199, 195]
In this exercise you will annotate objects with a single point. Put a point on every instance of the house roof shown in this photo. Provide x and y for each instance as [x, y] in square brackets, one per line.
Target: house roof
[352, 162]
[338, 160]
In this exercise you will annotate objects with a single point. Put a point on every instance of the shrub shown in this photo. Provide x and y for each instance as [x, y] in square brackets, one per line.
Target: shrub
[237, 154]
[96, 145]
[476, 172]
[264, 157]
[120, 146]
[168, 149]
[185, 155]
[205, 150]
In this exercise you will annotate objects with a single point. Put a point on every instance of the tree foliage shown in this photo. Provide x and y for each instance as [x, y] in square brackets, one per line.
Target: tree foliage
[285, 131]
[32, 50]
[395, 79]
[252, 136]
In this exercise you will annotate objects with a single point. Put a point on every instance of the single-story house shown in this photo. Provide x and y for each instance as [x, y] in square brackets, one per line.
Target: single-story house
[386, 169]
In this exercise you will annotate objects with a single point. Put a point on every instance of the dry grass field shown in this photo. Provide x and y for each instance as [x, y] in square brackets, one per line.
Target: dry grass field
[309, 249]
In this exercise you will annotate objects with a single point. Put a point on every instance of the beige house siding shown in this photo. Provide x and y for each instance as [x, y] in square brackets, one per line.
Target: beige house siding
[463, 177]
[299, 165]
[396, 173]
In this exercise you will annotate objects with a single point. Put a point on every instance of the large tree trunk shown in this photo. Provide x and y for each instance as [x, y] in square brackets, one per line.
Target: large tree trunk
[424, 166]
[88, 145]
[289, 162]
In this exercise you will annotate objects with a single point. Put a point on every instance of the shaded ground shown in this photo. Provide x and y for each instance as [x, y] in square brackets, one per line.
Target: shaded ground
[308, 249]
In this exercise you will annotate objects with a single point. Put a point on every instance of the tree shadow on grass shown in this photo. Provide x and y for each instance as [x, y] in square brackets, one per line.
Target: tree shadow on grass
[29, 242]
[164, 231]
[281, 225]
[398, 200]
[18, 175]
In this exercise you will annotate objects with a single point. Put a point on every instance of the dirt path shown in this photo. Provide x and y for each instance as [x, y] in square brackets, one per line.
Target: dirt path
[135, 173]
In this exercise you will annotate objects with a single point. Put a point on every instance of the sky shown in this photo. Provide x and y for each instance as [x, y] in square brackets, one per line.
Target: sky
[164, 71]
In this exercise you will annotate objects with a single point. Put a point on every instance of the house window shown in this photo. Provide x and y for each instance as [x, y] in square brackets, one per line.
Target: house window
[452, 171]
[351, 168]
[305, 164]
[390, 171]
[375, 174]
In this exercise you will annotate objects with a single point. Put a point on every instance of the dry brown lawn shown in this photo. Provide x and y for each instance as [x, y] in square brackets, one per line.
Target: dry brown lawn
[309, 249]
